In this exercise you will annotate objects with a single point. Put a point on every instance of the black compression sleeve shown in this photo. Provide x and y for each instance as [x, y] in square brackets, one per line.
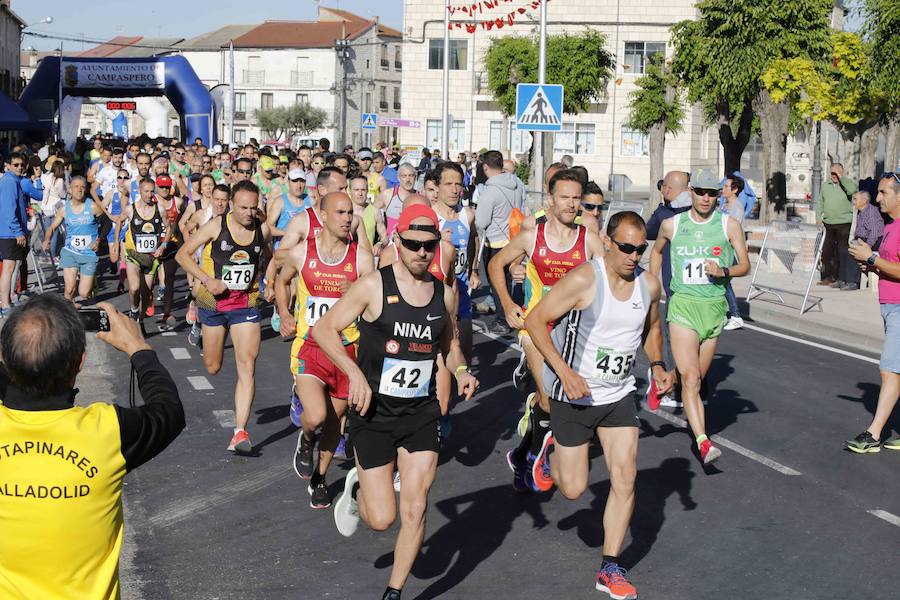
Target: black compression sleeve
[146, 430]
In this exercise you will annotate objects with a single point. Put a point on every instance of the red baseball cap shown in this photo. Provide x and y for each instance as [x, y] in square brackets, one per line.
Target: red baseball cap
[417, 211]
[164, 181]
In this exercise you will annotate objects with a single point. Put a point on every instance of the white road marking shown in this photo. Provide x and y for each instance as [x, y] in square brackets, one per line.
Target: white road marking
[169, 333]
[886, 516]
[181, 509]
[729, 444]
[199, 382]
[225, 418]
[497, 338]
[812, 344]
[180, 353]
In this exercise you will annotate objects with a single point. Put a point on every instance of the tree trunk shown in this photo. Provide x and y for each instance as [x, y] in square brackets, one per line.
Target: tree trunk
[892, 149]
[657, 141]
[773, 119]
[868, 148]
[850, 155]
[733, 145]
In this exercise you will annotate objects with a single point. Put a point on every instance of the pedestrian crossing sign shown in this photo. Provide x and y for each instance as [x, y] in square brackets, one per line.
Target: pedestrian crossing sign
[370, 121]
[539, 107]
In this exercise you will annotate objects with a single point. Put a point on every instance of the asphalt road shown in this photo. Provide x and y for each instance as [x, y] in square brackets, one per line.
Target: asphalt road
[787, 513]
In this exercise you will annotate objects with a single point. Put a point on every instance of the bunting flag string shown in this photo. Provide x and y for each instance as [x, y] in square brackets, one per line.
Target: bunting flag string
[478, 8]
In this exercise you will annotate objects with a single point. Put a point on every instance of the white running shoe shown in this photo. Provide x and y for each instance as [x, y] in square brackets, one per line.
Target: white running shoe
[733, 323]
[397, 481]
[670, 401]
[346, 510]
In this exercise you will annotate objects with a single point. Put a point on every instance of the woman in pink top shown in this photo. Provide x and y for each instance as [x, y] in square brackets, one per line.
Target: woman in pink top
[886, 263]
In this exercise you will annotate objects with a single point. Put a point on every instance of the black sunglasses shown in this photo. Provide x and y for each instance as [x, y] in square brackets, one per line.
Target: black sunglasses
[895, 175]
[630, 248]
[416, 245]
[590, 207]
[121, 178]
[245, 171]
[706, 192]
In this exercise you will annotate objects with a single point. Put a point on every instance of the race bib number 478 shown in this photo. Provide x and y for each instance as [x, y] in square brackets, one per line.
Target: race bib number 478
[405, 378]
[238, 277]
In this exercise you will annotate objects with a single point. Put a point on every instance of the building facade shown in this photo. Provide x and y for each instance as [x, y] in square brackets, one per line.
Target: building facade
[11, 26]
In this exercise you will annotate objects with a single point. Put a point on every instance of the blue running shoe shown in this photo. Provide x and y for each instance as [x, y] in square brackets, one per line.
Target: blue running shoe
[296, 407]
[519, 483]
[341, 450]
[445, 426]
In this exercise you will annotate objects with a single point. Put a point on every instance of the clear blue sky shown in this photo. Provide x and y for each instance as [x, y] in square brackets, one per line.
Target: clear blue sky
[104, 19]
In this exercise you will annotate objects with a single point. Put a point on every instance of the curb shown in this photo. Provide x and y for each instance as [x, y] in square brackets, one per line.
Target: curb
[759, 312]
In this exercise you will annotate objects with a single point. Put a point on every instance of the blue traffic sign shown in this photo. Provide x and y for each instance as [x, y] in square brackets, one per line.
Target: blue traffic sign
[539, 107]
[370, 121]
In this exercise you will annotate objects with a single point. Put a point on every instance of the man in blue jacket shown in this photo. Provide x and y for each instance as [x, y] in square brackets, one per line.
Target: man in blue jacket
[13, 226]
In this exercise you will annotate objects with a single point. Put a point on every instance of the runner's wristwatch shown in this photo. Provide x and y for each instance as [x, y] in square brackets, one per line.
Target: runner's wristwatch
[871, 260]
[658, 363]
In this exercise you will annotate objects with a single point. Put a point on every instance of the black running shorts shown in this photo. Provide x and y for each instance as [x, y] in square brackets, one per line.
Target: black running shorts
[376, 443]
[10, 250]
[574, 425]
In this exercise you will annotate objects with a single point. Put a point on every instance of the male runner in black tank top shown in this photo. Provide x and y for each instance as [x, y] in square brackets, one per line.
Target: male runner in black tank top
[404, 321]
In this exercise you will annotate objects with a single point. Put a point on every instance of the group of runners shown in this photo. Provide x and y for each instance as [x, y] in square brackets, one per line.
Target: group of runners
[374, 284]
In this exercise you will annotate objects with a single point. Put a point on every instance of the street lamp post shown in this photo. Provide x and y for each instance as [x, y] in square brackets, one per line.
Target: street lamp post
[542, 73]
[44, 21]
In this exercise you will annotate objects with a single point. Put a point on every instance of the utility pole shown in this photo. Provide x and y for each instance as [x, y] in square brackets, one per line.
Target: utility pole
[343, 50]
[542, 73]
[445, 104]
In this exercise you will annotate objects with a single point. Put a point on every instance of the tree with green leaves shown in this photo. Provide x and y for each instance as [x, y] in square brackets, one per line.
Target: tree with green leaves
[722, 55]
[288, 121]
[882, 22]
[580, 62]
[657, 109]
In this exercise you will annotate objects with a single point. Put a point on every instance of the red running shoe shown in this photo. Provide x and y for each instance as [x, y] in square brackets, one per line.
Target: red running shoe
[240, 443]
[540, 471]
[611, 579]
[709, 453]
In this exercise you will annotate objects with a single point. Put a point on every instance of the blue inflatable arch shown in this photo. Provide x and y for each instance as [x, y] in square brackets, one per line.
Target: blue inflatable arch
[169, 76]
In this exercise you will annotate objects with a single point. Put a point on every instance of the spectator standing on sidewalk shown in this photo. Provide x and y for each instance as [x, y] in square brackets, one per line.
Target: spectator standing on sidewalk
[869, 229]
[886, 263]
[834, 209]
[495, 204]
[734, 207]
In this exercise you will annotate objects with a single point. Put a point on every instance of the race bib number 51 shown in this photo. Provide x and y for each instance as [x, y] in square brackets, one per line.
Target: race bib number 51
[613, 365]
[81, 242]
[405, 378]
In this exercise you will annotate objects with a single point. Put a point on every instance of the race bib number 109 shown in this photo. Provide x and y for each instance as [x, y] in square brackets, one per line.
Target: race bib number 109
[405, 378]
[146, 243]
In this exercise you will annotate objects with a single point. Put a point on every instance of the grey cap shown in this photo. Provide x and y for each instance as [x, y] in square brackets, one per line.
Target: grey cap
[363, 155]
[704, 179]
[296, 175]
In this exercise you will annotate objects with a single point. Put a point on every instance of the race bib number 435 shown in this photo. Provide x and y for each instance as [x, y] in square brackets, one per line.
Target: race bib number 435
[405, 378]
[613, 365]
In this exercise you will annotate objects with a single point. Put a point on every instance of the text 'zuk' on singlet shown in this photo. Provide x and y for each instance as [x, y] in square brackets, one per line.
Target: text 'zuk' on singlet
[692, 245]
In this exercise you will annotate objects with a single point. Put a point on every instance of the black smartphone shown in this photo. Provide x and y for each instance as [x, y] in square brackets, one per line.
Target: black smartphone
[94, 319]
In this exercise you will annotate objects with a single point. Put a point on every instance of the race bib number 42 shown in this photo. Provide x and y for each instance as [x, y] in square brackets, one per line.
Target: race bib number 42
[146, 243]
[405, 378]
[316, 307]
[238, 277]
[612, 365]
[694, 272]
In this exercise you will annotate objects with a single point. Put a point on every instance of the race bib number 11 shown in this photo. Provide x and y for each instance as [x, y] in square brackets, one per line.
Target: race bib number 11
[405, 378]
[694, 272]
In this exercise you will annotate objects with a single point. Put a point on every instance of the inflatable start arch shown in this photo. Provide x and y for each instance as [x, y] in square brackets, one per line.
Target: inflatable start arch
[169, 76]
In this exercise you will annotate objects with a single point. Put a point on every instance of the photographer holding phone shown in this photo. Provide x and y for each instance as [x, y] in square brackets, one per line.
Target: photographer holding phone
[62, 465]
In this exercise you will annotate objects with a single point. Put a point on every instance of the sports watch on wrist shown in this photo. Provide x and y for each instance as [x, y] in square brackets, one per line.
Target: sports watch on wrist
[871, 260]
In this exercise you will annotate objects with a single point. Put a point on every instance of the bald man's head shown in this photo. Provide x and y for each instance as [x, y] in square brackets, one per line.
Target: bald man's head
[509, 166]
[674, 183]
[414, 199]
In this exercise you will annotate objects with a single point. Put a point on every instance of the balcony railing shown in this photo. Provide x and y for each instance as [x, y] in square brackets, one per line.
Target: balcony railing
[302, 78]
[385, 63]
[240, 115]
[396, 106]
[254, 77]
[383, 105]
[398, 65]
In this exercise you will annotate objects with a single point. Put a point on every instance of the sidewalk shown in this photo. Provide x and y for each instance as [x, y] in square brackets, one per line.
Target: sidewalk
[851, 319]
